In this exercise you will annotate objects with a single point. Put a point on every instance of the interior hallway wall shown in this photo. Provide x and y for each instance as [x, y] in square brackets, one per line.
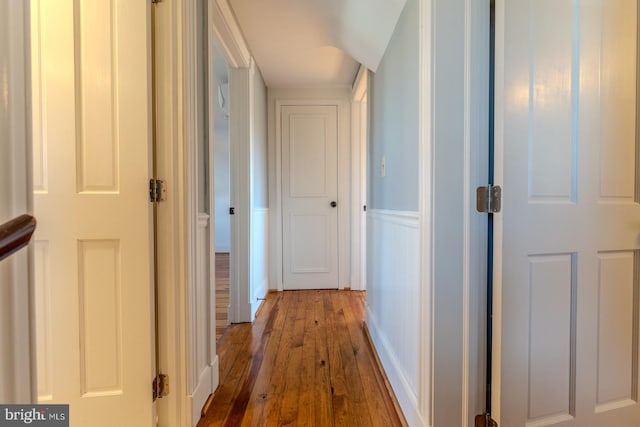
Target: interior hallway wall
[393, 261]
[222, 189]
[436, 369]
[221, 155]
[259, 142]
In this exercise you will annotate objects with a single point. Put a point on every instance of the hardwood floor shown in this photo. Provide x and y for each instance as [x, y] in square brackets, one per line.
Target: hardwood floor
[304, 361]
[222, 294]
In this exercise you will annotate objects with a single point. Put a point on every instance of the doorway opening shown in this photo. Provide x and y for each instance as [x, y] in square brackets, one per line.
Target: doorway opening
[222, 189]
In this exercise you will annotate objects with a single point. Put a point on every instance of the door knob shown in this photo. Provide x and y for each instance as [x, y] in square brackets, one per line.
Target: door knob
[334, 204]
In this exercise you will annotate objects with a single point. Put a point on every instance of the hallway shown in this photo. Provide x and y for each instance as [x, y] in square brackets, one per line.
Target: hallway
[304, 361]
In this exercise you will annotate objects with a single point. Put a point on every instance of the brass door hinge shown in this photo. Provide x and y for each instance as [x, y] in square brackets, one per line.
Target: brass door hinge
[485, 420]
[160, 386]
[157, 191]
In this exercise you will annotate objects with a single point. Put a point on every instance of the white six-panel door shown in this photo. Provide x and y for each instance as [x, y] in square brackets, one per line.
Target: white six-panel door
[309, 185]
[91, 105]
[568, 264]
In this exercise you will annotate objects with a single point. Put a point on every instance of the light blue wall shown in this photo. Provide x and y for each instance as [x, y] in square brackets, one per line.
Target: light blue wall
[222, 159]
[222, 189]
[393, 98]
[457, 134]
[393, 269]
[259, 135]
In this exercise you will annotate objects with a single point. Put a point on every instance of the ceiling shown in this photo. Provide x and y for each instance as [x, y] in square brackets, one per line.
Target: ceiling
[316, 43]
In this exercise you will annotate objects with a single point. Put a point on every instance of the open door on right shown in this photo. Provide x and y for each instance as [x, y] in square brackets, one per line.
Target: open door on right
[567, 259]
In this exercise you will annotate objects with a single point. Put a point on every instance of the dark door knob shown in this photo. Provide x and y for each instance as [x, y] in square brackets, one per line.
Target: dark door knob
[334, 204]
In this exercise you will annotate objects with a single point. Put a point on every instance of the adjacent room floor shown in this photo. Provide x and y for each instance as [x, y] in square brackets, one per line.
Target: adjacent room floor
[222, 293]
[304, 361]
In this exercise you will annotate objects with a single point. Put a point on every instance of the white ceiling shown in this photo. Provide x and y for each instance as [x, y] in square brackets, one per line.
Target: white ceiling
[316, 43]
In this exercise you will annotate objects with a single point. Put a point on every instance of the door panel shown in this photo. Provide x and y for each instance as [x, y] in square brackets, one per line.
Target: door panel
[567, 287]
[309, 185]
[91, 128]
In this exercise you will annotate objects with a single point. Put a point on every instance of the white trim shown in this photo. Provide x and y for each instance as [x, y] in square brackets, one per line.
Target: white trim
[177, 216]
[359, 125]
[211, 100]
[190, 129]
[228, 34]
[406, 218]
[360, 84]
[476, 149]
[425, 203]
[498, 156]
[201, 377]
[275, 148]
[170, 257]
[466, 214]
[454, 334]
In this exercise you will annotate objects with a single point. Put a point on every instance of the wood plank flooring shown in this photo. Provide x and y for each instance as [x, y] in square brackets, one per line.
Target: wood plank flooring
[222, 294]
[305, 361]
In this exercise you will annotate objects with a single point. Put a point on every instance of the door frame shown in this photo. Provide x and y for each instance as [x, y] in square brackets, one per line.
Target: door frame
[359, 148]
[177, 161]
[498, 220]
[453, 156]
[225, 32]
[305, 97]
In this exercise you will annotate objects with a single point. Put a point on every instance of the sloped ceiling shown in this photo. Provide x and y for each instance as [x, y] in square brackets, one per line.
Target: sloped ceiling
[316, 43]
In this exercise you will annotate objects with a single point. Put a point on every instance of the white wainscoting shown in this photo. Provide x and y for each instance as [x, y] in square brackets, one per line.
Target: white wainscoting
[203, 362]
[393, 303]
[259, 258]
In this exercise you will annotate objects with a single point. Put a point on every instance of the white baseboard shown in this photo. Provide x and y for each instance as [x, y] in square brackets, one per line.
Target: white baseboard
[200, 395]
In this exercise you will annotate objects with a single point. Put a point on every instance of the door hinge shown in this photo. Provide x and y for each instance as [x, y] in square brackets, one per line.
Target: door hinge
[489, 199]
[232, 211]
[160, 386]
[155, 1]
[157, 191]
[485, 420]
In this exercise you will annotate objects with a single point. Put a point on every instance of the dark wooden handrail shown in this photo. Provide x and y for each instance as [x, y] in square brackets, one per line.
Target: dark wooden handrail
[15, 234]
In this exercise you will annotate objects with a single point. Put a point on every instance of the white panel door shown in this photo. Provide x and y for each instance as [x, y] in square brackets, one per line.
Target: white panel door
[91, 104]
[309, 186]
[566, 338]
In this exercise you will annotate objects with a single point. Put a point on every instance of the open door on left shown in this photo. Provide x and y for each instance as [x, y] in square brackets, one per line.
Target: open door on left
[93, 256]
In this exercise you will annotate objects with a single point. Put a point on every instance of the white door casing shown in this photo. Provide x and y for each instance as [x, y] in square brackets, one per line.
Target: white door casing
[202, 358]
[93, 244]
[567, 260]
[359, 128]
[309, 186]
